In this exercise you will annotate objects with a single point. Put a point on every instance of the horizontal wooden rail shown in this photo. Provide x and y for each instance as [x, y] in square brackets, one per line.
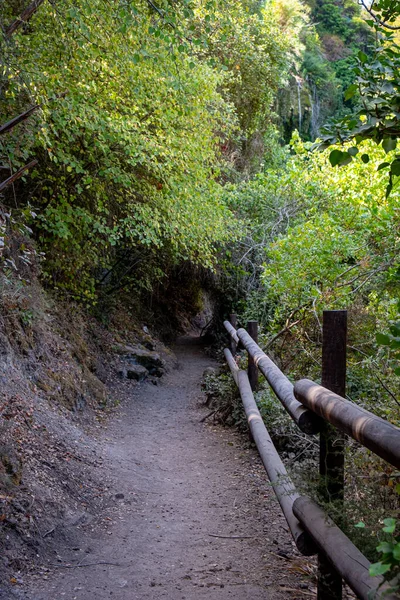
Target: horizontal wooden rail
[232, 364]
[371, 431]
[305, 419]
[352, 565]
[232, 331]
[281, 483]
[339, 559]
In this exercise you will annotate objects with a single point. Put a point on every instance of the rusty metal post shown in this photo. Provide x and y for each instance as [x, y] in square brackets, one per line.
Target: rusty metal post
[233, 320]
[252, 369]
[331, 465]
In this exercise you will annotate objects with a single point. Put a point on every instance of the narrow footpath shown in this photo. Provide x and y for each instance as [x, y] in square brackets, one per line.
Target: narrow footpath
[192, 515]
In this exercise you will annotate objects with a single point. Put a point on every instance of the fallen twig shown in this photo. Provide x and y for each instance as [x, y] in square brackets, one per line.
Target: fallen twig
[48, 532]
[297, 591]
[209, 415]
[102, 562]
[232, 537]
[281, 556]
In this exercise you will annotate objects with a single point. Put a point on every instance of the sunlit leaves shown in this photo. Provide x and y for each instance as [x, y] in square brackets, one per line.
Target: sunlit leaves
[131, 151]
[342, 243]
[377, 80]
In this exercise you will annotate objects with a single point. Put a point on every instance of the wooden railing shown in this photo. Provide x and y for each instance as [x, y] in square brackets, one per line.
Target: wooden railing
[316, 409]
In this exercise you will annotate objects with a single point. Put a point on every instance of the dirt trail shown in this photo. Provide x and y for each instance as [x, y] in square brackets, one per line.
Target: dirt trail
[190, 514]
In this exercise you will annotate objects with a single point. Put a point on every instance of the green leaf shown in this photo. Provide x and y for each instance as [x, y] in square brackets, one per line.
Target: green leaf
[351, 90]
[394, 329]
[385, 547]
[360, 525]
[353, 151]
[365, 158]
[362, 57]
[390, 525]
[389, 144]
[346, 159]
[378, 569]
[396, 552]
[395, 168]
[383, 166]
[382, 339]
[335, 157]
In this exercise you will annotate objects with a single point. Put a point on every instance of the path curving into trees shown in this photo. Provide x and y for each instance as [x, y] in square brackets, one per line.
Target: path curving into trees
[191, 514]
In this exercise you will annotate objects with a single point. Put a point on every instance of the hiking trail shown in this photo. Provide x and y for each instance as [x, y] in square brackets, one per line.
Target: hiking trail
[190, 513]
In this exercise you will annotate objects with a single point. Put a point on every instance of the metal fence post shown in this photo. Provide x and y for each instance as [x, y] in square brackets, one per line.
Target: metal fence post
[331, 466]
[252, 369]
[233, 321]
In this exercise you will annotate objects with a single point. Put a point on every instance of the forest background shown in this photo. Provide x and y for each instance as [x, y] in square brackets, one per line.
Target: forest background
[171, 151]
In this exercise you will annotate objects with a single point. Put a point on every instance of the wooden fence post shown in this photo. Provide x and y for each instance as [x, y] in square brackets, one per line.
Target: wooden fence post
[233, 321]
[252, 369]
[331, 466]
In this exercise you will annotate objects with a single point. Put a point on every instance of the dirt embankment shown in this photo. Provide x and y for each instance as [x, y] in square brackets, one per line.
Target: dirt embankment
[58, 373]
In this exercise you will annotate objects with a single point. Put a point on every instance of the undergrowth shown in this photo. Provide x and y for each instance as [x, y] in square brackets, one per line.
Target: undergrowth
[370, 483]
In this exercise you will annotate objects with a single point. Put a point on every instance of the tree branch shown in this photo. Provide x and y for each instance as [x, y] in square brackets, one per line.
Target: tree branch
[25, 16]
[377, 19]
[10, 124]
[17, 174]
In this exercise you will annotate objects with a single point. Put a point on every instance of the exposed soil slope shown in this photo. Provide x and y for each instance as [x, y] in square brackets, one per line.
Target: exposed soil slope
[187, 512]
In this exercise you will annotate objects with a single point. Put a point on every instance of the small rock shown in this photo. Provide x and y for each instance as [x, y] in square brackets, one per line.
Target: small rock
[137, 372]
[80, 403]
[147, 358]
[209, 371]
[149, 344]
[119, 496]
[100, 371]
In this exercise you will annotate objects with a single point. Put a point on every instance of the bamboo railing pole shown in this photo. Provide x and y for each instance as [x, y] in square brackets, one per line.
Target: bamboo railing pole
[232, 364]
[371, 431]
[252, 369]
[306, 420]
[281, 483]
[233, 320]
[352, 565]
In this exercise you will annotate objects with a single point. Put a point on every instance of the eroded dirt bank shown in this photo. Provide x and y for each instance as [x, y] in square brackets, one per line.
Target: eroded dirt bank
[186, 510]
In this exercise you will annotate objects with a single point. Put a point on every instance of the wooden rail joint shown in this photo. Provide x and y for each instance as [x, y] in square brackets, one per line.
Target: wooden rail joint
[371, 431]
[305, 419]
